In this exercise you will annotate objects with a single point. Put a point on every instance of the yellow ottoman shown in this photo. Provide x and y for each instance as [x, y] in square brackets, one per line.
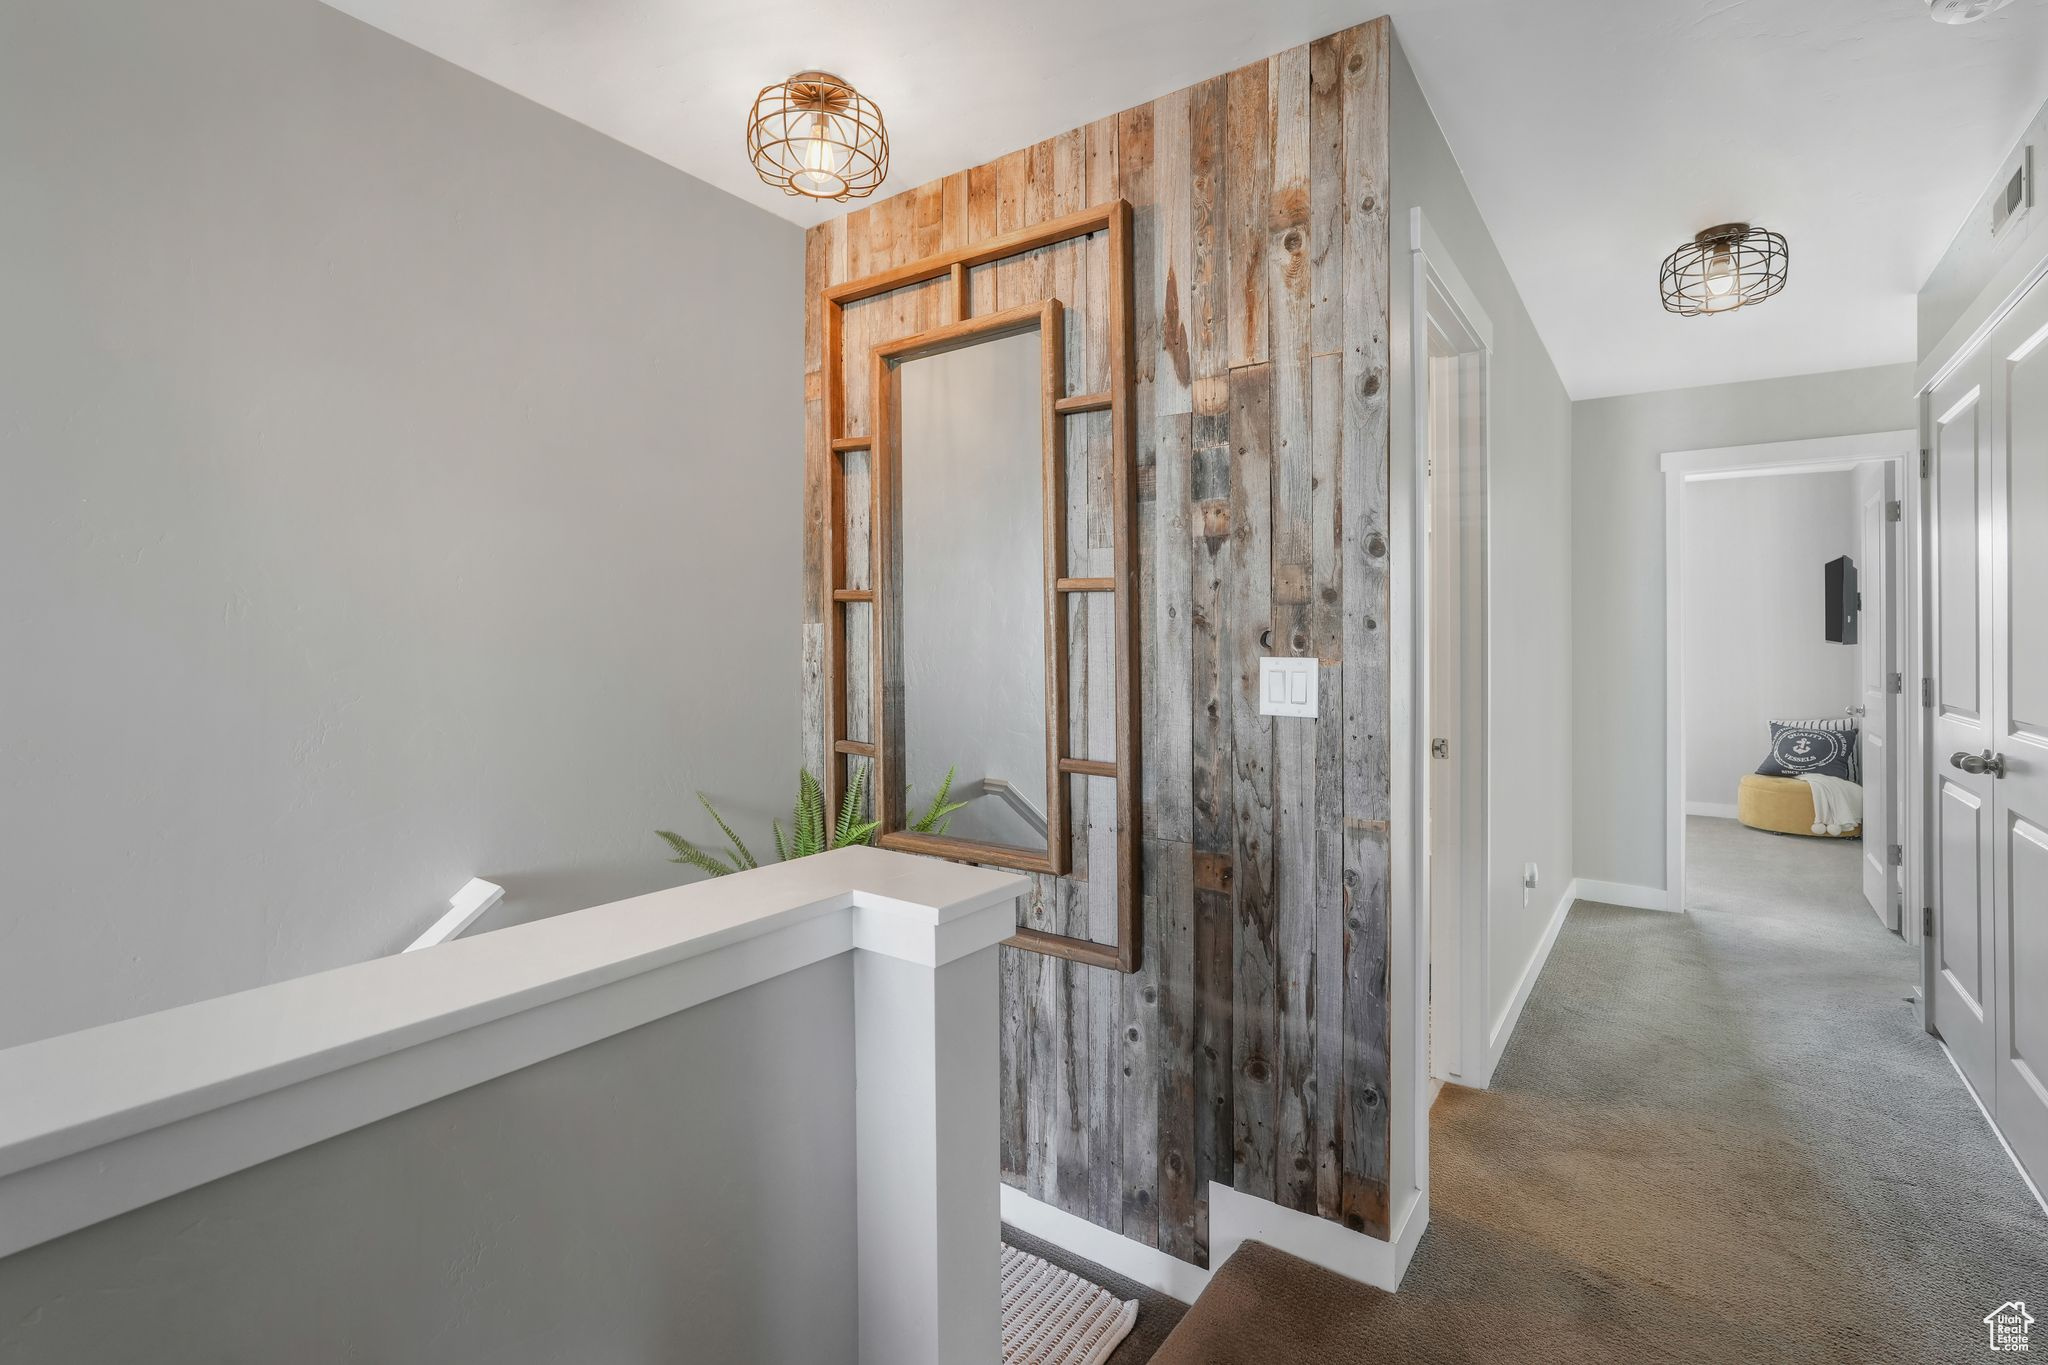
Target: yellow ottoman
[1782, 805]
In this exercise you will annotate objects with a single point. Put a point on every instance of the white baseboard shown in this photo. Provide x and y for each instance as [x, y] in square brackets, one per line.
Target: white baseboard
[1713, 809]
[1504, 1026]
[1622, 894]
[1132, 1259]
[1236, 1217]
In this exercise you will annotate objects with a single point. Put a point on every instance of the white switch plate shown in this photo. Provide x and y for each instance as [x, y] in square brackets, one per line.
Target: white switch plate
[1287, 687]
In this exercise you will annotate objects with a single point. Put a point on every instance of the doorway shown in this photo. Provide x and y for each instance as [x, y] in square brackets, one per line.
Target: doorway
[1882, 632]
[1452, 338]
[1455, 476]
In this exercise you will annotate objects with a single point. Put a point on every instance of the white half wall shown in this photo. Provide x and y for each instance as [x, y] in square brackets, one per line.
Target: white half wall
[1754, 649]
[398, 489]
[659, 1195]
[1617, 549]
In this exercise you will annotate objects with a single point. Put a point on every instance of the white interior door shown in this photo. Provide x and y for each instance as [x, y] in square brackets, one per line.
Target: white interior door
[1960, 802]
[2017, 530]
[1875, 574]
[1445, 693]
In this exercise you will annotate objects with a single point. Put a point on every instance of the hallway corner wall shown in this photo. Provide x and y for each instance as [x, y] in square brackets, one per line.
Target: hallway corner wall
[1530, 749]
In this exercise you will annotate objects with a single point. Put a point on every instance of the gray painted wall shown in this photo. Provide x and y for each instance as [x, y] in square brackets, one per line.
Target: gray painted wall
[396, 485]
[683, 1192]
[1530, 748]
[1617, 538]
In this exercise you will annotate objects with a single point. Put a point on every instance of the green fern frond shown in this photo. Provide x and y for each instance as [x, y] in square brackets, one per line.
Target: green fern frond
[742, 855]
[687, 852]
[781, 848]
[938, 814]
[810, 816]
[847, 832]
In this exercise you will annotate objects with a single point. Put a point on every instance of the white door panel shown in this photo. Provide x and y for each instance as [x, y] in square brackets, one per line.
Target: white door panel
[2023, 1071]
[1960, 839]
[1962, 1006]
[2018, 526]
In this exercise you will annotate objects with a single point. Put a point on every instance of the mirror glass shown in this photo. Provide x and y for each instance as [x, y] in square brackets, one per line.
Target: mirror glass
[972, 537]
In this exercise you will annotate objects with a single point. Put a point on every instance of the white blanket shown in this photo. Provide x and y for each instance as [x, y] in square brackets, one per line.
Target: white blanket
[1837, 803]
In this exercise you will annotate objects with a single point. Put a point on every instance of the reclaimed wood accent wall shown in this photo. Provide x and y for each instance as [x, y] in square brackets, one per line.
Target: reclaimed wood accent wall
[1251, 1047]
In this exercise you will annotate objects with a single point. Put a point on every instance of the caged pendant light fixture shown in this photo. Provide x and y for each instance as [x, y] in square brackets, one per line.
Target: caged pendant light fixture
[817, 136]
[1722, 269]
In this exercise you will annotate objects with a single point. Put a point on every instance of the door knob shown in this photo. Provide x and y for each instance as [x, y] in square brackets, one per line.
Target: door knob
[1853, 710]
[1987, 762]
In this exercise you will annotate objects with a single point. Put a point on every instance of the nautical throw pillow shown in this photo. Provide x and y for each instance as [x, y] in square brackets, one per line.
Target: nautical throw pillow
[1838, 723]
[1800, 749]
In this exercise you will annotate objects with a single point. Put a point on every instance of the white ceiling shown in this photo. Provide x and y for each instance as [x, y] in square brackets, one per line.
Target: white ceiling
[1596, 134]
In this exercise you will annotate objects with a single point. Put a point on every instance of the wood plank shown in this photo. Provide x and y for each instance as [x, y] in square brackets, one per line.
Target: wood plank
[1061, 168]
[1295, 908]
[1211, 810]
[953, 216]
[1089, 767]
[1249, 136]
[1169, 873]
[1083, 402]
[1326, 423]
[852, 595]
[1327, 208]
[1208, 340]
[1247, 608]
[1109, 839]
[1086, 584]
[1367, 796]
[1173, 248]
[842, 444]
[854, 746]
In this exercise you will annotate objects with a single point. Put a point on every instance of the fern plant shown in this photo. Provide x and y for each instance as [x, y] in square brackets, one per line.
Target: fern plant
[938, 814]
[808, 833]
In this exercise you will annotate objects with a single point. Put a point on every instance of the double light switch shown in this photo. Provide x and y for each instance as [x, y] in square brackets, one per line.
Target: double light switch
[1287, 687]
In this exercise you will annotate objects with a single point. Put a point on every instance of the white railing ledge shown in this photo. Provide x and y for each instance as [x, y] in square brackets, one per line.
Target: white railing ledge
[104, 1120]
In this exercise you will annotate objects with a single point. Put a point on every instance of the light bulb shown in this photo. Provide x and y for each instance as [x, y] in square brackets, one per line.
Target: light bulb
[823, 159]
[1721, 275]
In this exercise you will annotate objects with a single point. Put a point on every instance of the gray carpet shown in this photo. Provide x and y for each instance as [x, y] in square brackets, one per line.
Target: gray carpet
[1720, 1136]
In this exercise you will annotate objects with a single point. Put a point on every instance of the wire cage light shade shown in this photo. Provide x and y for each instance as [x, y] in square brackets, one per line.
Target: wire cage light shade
[1722, 269]
[817, 136]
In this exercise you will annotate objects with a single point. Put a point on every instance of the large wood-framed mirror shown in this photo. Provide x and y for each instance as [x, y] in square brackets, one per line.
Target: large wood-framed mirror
[952, 593]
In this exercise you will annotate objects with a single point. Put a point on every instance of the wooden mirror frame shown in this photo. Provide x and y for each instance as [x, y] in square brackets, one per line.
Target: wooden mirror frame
[883, 749]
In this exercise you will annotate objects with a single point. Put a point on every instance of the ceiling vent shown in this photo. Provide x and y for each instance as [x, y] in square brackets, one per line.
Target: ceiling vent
[1962, 11]
[2012, 198]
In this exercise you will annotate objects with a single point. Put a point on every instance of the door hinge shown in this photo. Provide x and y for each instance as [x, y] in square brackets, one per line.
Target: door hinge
[1927, 920]
[1927, 691]
[1897, 855]
[1926, 461]
[1898, 682]
[1439, 748]
[1893, 510]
